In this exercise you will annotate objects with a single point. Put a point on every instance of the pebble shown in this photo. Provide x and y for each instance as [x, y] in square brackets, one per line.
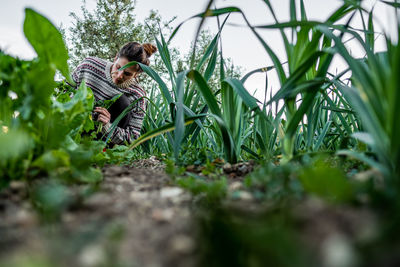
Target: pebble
[92, 256]
[126, 180]
[369, 174]
[243, 195]
[17, 186]
[243, 169]
[227, 168]
[24, 218]
[337, 251]
[99, 199]
[191, 168]
[162, 215]
[171, 192]
[182, 244]
[235, 186]
[138, 195]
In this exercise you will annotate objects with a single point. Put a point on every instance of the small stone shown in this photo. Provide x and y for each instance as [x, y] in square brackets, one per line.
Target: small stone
[337, 251]
[369, 174]
[68, 217]
[119, 188]
[162, 215]
[17, 186]
[24, 218]
[126, 180]
[235, 186]
[99, 199]
[191, 168]
[243, 169]
[138, 195]
[227, 168]
[244, 195]
[182, 244]
[171, 192]
[92, 256]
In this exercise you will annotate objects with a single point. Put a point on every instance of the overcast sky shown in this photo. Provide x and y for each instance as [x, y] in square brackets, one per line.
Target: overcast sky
[238, 42]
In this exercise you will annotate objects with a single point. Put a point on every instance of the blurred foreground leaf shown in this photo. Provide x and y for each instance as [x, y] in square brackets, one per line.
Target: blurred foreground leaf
[326, 182]
[13, 144]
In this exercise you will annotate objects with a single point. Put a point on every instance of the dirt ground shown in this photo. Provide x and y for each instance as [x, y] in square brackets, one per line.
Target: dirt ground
[136, 218]
[139, 217]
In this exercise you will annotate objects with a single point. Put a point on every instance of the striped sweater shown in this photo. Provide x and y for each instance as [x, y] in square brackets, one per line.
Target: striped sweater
[96, 73]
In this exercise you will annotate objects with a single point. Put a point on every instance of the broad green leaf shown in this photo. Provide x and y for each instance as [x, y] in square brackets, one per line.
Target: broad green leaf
[52, 160]
[47, 41]
[13, 143]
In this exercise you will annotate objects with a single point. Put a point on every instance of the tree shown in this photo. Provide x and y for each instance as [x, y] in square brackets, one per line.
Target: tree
[103, 31]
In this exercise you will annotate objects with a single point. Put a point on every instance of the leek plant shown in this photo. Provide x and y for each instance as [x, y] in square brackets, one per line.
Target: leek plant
[305, 81]
[190, 98]
[321, 110]
[306, 76]
[374, 94]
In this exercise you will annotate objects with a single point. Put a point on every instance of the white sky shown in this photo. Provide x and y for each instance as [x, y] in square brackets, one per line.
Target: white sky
[238, 43]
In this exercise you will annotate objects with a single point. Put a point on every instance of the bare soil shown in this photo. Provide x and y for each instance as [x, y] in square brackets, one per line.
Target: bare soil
[136, 218]
[139, 217]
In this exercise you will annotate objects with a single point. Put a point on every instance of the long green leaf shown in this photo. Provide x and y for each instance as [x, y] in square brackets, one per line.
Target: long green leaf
[163, 129]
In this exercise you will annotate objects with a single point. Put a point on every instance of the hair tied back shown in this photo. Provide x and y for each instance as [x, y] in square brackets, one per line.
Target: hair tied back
[149, 49]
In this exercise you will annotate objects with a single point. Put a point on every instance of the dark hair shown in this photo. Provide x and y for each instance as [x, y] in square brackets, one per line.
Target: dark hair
[135, 51]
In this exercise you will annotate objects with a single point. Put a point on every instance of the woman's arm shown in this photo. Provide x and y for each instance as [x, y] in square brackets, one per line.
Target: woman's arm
[132, 130]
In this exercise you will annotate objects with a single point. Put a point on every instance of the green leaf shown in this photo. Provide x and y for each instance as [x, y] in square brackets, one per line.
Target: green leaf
[237, 85]
[365, 138]
[326, 182]
[247, 75]
[179, 119]
[206, 92]
[393, 4]
[14, 143]
[149, 71]
[362, 157]
[52, 160]
[322, 135]
[47, 41]
[161, 130]
[229, 146]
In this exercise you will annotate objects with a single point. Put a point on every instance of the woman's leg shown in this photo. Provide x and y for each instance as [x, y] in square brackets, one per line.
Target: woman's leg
[117, 108]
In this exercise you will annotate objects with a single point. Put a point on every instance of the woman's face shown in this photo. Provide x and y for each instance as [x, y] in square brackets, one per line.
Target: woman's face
[119, 77]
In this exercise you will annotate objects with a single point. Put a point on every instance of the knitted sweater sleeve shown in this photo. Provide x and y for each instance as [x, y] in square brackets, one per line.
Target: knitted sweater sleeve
[77, 75]
[132, 131]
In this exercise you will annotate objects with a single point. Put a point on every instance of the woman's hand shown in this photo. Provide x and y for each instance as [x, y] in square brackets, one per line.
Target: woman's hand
[104, 115]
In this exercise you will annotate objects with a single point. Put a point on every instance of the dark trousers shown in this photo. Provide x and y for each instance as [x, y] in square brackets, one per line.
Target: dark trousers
[117, 108]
